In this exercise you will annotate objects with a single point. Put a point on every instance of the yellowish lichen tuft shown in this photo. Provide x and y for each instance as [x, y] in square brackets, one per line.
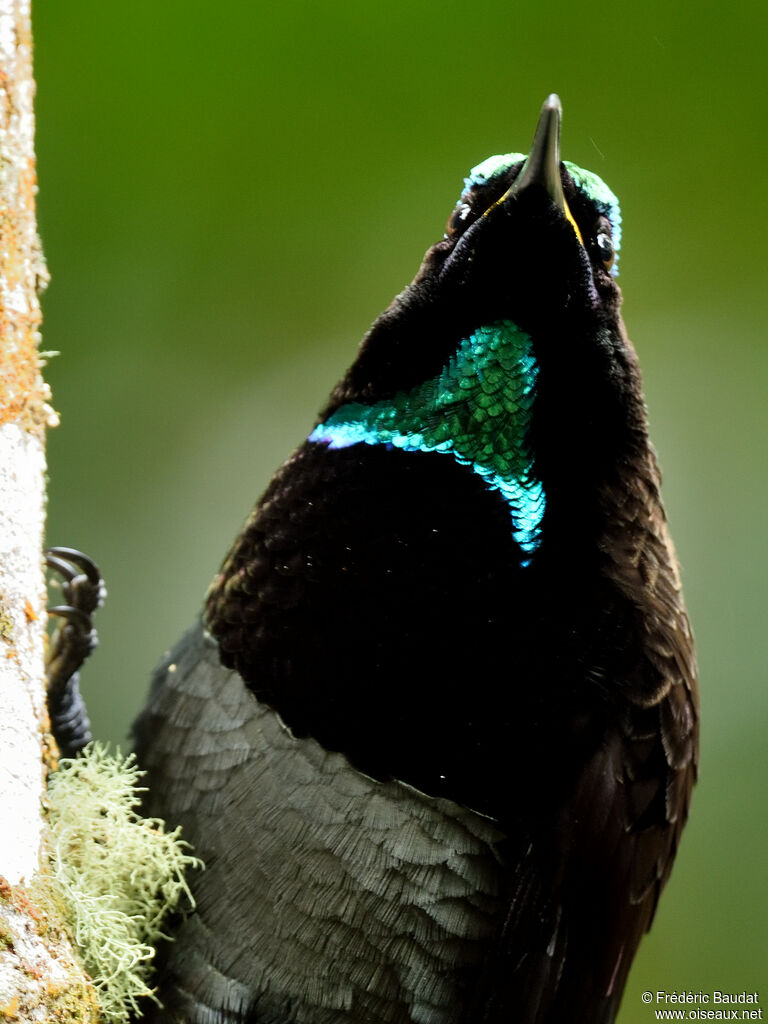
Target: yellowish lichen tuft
[118, 874]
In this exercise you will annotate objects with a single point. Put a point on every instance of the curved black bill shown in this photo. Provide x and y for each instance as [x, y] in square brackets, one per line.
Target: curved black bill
[542, 167]
[543, 164]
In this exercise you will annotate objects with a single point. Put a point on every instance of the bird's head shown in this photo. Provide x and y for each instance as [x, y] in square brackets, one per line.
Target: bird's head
[531, 236]
[532, 240]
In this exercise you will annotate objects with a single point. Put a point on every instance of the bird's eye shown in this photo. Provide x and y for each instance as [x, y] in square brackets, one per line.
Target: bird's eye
[605, 249]
[458, 219]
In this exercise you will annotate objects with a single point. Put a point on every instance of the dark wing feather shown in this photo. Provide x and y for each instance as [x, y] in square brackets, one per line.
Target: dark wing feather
[326, 896]
[575, 920]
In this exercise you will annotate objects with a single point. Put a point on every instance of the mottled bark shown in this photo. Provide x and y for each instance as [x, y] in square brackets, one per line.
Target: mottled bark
[24, 415]
[40, 978]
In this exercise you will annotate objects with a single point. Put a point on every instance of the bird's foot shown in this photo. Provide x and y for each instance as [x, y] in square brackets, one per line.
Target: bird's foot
[74, 639]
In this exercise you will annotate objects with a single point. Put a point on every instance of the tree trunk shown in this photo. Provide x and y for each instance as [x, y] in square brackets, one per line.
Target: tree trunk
[24, 415]
[40, 978]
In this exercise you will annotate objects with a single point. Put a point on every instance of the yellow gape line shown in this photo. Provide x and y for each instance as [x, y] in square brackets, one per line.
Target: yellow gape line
[572, 222]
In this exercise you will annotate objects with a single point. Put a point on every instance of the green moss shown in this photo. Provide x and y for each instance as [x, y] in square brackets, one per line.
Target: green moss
[118, 874]
[6, 621]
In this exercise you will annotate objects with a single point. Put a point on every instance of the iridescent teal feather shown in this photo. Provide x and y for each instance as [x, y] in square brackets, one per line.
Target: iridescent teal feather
[478, 410]
[484, 172]
[593, 186]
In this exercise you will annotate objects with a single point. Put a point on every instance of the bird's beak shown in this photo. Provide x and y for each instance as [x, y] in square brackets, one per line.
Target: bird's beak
[542, 168]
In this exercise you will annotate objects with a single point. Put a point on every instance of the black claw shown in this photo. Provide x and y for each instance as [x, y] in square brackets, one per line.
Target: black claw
[82, 584]
[88, 566]
[84, 591]
[76, 616]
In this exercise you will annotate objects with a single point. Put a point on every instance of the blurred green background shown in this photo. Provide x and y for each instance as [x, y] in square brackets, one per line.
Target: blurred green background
[230, 193]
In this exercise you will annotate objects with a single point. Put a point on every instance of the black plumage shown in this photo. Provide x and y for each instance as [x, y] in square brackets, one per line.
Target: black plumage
[437, 773]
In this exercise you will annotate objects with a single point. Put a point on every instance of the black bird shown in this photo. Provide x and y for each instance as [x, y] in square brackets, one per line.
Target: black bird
[436, 732]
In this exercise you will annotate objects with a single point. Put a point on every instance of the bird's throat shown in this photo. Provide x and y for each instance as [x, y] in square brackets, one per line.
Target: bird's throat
[477, 409]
